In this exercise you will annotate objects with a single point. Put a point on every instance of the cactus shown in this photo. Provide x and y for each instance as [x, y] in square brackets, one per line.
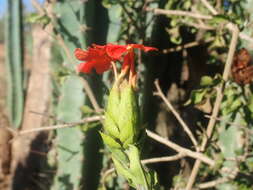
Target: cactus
[71, 25]
[70, 141]
[70, 150]
[14, 62]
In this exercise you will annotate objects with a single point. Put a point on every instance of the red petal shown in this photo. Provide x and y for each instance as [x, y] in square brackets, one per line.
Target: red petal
[85, 67]
[128, 60]
[81, 54]
[115, 51]
[147, 48]
[102, 67]
[142, 47]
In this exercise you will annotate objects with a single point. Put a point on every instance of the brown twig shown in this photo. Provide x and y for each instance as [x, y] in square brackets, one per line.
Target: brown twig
[180, 13]
[199, 26]
[37, 6]
[209, 7]
[61, 126]
[91, 96]
[188, 45]
[213, 183]
[176, 114]
[217, 104]
[228, 26]
[182, 150]
[198, 16]
[163, 159]
[59, 38]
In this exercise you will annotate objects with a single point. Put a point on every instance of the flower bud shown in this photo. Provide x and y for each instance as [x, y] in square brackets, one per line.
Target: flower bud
[122, 114]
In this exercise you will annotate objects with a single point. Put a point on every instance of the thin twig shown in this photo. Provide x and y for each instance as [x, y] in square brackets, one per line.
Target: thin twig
[60, 126]
[188, 45]
[37, 6]
[91, 96]
[198, 16]
[199, 26]
[217, 104]
[163, 159]
[209, 7]
[213, 183]
[229, 26]
[176, 114]
[59, 38]
[180, 13]
[182, 150]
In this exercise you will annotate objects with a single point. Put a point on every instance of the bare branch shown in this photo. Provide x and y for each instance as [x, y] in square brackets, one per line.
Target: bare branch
[91, 96]
[213, 183]
[209, 7]
[163, 159]
[188, 45]
[180, 149]
[176, 114]
[198, 16]
[217, 104]
[60, 126]
[229, 26]
[180, 13]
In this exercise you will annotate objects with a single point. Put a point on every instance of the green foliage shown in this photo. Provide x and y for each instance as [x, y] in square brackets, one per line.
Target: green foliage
[206, 90]
[231, 135]
[14, 62]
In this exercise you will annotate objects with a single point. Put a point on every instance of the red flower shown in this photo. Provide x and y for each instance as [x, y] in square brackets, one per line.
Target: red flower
[100, 57]
[95, 57]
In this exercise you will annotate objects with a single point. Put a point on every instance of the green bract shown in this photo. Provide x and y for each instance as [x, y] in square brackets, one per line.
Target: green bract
[122, 115]
[121, 131]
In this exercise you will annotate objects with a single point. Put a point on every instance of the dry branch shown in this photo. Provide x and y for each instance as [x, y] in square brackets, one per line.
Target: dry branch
[176, 114]
[182, 150]
[217, 104]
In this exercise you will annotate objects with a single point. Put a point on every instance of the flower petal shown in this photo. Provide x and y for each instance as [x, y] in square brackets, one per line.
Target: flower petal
[116, 51]
[81, 54]
[128, 60]
[85, 67]
[142, 47]
[103, 67]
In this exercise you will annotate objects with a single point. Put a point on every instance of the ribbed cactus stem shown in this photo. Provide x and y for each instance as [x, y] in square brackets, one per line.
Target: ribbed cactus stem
[14, 61]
